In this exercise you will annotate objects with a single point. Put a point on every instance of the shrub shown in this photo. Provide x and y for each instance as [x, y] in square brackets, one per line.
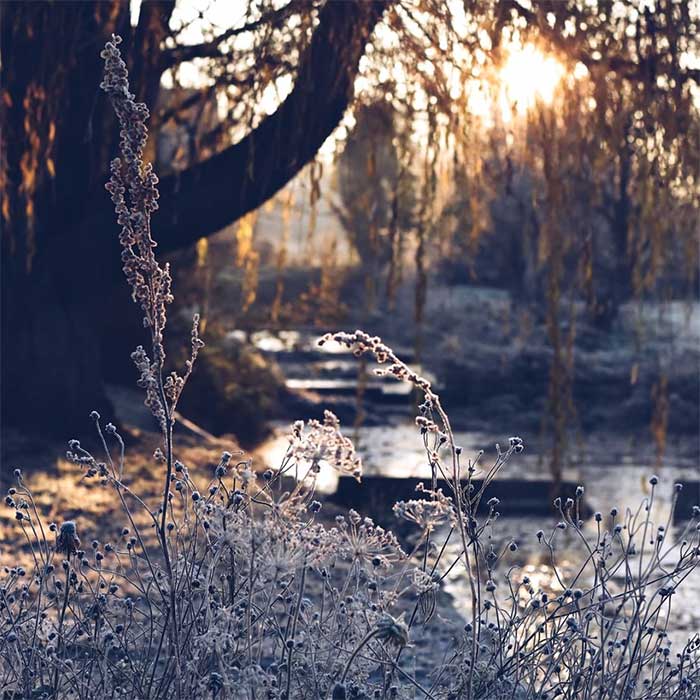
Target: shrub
[233, 391]
[237, 588]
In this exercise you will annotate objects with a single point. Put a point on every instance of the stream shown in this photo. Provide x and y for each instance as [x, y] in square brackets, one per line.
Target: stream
[613, 468]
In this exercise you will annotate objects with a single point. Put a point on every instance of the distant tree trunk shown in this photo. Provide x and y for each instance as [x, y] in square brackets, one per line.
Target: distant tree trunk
[623, 270]
[621, 284]
[60, 256]
[526, 284]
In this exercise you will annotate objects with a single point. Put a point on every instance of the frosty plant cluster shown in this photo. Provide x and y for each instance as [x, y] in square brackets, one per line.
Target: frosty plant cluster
[239, 586]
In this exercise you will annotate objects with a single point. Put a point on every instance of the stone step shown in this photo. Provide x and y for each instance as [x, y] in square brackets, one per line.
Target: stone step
[386, 391]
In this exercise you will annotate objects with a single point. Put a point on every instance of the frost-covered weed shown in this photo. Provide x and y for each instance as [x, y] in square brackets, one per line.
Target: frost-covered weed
[241, 589]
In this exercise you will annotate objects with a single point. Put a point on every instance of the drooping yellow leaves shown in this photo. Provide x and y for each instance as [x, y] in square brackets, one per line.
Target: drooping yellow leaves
[29, 162]
[331, 280]
[315, 176]
[250, 280]
[248, 259]
[202, 250]
[5, 204]
[36, 159]
[244, 237]
[276, 308]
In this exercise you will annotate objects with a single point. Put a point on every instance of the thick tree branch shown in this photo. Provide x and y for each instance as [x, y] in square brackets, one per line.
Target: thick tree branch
[225, 79]
[148, 57]
[213, 194]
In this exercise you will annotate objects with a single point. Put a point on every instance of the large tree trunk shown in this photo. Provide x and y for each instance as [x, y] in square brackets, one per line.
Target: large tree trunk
[54, 137]
[60, 256]
[52, 373]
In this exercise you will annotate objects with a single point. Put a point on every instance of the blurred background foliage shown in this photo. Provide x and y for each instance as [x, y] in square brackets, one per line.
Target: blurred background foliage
[508, 188]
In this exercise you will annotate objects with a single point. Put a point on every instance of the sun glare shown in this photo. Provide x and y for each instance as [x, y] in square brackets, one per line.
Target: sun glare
[528, 76]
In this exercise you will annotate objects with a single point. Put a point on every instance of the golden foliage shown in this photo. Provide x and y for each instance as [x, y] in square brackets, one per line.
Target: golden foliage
[244, 238]
[276, 307]
[202, 249]
[39, 131]
[248, 259]
[250, 280]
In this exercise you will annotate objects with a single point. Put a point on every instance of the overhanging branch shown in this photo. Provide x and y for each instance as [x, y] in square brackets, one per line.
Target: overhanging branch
[214, 193]
[212, 48]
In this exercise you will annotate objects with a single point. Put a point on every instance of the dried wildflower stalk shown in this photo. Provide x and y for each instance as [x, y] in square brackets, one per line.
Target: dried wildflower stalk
[135, 196]
[132, 186]
[362, 343]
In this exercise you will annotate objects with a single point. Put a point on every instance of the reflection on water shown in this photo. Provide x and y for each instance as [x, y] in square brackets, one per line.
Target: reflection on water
[533, 560]
[613, 469]
[614, 473]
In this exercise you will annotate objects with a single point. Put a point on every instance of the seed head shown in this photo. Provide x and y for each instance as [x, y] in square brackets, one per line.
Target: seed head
[67, 541]
[392, 630]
